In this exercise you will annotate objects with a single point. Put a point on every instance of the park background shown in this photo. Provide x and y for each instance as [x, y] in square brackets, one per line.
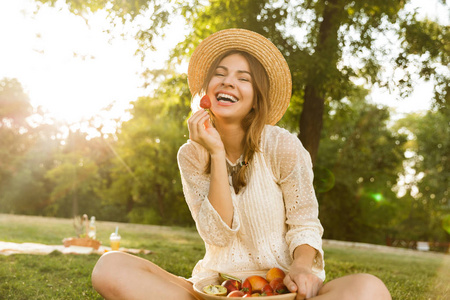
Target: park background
[94, 102]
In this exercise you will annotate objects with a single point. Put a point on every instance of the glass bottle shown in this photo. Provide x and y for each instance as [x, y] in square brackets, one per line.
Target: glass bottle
[92, 229]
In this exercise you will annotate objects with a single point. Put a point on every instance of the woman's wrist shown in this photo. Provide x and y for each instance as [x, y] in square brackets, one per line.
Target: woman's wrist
[304, 256]
[218, 155]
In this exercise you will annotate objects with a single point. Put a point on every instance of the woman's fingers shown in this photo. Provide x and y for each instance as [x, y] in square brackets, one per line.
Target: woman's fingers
[208, 123]
[196, 123]
[289, 283]
[316, 287]
[306, 285]
[196, 116]
[314, 291]
[203, 132]
[302, 291]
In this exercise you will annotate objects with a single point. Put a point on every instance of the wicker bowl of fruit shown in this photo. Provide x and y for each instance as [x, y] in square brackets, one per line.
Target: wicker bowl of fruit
[268, 284]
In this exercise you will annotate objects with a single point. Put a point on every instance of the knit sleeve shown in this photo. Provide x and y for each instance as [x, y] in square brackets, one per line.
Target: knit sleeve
[192, 159]
[292, 167]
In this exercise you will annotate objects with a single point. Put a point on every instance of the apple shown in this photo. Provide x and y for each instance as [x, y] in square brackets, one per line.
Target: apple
[231, 285]
[278, 286]
[274, 282]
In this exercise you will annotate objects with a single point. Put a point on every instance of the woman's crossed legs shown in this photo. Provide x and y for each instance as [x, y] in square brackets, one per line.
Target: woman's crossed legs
[119, 275]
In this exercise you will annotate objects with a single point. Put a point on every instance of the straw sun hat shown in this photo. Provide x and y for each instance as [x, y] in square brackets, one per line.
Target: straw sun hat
[257, 45]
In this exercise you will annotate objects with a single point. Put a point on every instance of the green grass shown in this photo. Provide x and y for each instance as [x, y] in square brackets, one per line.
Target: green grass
[58, 276]
[407, 276]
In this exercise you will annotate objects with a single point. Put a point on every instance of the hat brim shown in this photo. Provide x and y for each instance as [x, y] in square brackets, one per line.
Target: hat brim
[257, 45]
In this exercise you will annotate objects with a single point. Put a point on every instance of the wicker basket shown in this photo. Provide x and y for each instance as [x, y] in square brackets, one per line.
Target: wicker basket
[84, 242]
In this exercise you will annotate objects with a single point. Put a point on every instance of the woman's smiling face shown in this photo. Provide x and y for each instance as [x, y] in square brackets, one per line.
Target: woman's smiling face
[231, 89]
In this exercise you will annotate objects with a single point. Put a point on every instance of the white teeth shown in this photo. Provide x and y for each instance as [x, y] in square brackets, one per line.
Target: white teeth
[226, 96]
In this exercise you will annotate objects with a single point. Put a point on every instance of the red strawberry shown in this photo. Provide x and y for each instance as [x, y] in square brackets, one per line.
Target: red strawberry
[205, 102]
[247, 287]
[267, 290]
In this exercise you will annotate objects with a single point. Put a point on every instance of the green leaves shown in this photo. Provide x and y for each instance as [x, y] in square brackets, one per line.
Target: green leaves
[428, 190]
[146, 177]
[329, 45]
[363, 156]
[15, 106]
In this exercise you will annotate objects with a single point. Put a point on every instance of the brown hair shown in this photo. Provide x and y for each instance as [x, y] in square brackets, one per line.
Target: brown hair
[253, 124]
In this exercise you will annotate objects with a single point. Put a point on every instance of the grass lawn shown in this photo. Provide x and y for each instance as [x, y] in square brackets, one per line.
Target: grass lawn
[408, 275]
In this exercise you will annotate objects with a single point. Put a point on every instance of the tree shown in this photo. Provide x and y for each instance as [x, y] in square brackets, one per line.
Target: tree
[146, 180]
[27, 191]
[428, 191]
[341, 43]
[357, 170]
[75, 179]
[329, 45]
[343, 40]
[15, 107]
[18, 168]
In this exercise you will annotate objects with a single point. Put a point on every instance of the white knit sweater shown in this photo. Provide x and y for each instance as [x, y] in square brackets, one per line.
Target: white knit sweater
[276, 212]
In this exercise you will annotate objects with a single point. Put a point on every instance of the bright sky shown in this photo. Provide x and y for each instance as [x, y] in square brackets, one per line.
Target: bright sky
[68, 67]
[73, 69]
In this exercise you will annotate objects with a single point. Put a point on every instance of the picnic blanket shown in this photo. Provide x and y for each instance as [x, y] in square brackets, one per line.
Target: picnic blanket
[8, 248]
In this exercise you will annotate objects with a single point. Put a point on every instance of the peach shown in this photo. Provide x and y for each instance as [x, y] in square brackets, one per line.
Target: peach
[275, 273]
[257, 282]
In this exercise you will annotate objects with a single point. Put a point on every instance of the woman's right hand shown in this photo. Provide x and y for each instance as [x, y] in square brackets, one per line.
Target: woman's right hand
[202, 132]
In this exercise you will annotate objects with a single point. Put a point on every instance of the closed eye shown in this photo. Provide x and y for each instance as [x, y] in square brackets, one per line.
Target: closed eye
[245, 76]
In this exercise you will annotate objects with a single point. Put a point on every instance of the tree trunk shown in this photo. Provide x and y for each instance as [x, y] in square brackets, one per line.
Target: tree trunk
[159, 192]
[74, 194]
[323, 60]
[129, 204]
[160, 199]
[311, 120]
[74, 204]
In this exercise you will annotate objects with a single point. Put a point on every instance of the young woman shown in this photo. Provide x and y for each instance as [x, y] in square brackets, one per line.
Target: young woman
[248, 184]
